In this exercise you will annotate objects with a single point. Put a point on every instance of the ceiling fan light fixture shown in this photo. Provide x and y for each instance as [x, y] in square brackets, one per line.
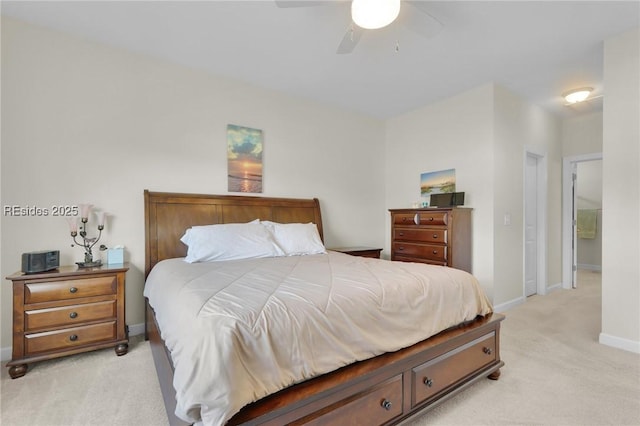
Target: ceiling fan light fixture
[578, 95]
[374, 14]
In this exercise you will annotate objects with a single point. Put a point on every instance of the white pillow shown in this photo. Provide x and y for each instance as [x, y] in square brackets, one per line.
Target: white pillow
[296, 238]
[229, 241]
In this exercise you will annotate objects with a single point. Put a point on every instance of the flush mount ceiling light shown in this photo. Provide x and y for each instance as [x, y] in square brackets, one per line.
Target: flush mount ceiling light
[578, 95]
[373, 14]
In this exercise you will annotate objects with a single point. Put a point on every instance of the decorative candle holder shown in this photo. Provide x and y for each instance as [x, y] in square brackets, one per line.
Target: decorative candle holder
[87, 243]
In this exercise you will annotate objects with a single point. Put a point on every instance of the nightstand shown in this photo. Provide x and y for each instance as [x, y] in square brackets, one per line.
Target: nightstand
[65, 312]
[360, 251]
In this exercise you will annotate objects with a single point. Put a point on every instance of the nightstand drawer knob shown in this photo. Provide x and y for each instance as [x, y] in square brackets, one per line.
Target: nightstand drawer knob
[73, 290]
[428, 382]
[435, 235]
[486, 351]
[386, 404]
[73, 315]
[435, 252]
[73, 337]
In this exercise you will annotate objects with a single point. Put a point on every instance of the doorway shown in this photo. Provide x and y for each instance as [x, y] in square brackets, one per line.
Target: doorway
[535, 222]
[571, 203]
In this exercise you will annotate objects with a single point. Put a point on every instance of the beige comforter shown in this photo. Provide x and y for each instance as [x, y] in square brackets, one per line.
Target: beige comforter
[240, 330]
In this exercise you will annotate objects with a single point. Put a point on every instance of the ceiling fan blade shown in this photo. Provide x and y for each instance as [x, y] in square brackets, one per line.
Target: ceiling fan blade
[298, 3]
[416, 18]
[350, 39]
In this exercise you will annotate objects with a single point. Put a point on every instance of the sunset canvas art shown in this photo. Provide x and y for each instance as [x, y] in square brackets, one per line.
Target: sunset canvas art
[244, 159]
[437, 182]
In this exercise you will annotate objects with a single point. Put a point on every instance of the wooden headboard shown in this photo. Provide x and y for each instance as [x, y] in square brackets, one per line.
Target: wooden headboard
[168, 215]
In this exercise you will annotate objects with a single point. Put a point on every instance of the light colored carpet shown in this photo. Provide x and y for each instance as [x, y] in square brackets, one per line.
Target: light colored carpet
[556, 373]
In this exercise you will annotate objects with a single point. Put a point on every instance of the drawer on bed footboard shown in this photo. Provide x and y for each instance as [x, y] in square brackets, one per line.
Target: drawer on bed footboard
[375, 406]
[444, 371]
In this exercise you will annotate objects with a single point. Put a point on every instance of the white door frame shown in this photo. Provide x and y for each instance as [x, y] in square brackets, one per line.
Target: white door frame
[541, 201]
[568, 200]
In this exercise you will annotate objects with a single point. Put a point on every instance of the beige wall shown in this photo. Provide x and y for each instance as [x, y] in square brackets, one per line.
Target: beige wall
[482, 134]
[82, 122]
[87, 123]
[522, 127]
[621, 193]
[582, 135]
[456, 133]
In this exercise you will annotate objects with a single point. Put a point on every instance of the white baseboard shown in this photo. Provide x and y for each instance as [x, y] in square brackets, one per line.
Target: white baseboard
[134, 330]
[590, 267]
[508, 305]
[554, 288]
[5, 354]
[620, 343]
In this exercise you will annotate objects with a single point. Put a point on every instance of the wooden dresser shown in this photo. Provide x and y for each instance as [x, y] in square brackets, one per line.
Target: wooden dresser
[439, 236]
[65, 312]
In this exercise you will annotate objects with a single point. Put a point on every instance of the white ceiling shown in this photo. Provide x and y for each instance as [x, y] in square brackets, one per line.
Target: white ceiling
[537, 49]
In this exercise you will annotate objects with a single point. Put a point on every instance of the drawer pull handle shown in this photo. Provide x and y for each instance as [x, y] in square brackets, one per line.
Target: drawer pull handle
[401, 234]
[428, 382]
[73, 315]
[431, 219]
[386, 404]
[486, 350]
[73, 337]
[435, 235]
[435, 252]
[73, 290]
[400, 248]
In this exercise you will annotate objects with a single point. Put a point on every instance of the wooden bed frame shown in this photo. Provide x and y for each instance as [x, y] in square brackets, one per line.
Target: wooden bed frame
[383, 390]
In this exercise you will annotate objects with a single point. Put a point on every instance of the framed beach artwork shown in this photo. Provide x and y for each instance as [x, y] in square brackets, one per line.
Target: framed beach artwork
[244, 159]
[437, 183]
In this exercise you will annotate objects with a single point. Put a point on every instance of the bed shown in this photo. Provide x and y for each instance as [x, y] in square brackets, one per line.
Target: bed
[383, 388]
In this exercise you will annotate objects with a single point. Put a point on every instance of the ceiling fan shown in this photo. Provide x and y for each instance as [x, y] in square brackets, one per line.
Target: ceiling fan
[367, 15]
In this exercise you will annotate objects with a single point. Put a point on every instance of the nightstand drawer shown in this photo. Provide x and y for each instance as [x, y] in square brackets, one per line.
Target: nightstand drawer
[423, 251]
[421, 235]
[69, 337]
[69, 315]
[70, 289]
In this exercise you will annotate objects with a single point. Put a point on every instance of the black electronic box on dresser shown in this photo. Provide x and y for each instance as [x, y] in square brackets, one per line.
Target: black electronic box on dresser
[65, 312]
[439, 236]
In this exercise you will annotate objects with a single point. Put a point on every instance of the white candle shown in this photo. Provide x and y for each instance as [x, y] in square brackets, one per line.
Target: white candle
[85, 209]
[101, 218]
[73, 224]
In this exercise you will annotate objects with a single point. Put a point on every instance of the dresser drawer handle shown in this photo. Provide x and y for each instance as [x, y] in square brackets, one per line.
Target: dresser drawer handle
[435, 252]
[486, 350]
[428, 382]
[400, 248]
[73, 290]
[73, 315]
[386, 404]
[435, 235]
[431, 219]
[73, 337]
[401, 234]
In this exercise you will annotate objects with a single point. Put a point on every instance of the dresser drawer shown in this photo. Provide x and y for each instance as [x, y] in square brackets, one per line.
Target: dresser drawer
[385, 400]
[423, 251]
[438, 374]
[69, 315]
[70, 289]
[421, 235]
[69, 337]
